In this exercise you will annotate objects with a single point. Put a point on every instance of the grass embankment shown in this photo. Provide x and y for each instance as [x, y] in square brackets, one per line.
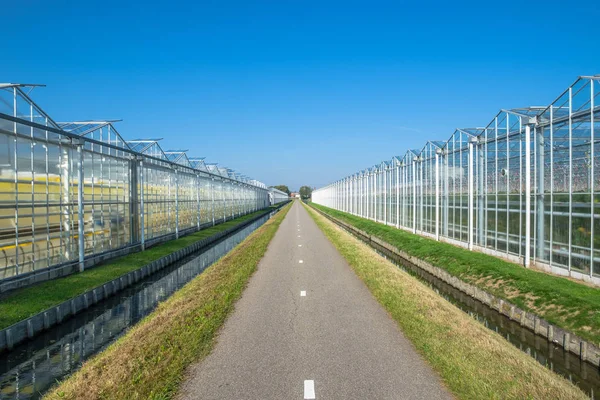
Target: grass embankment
[26, 302]
[149, 361]
[474, 362]
[563, 302]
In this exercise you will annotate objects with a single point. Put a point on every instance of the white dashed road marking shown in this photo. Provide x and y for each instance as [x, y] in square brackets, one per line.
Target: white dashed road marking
[309, 390]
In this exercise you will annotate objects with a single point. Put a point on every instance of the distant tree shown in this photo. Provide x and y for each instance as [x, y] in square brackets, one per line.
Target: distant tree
[305, 192]
[283, 188]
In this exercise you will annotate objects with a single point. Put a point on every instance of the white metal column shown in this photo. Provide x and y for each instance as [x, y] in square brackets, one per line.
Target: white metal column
[414, 175]
[176, 204]
[222, 185]
[367, 194]
[481, 212]
[421, 188]
[527, 195]
[197, 202]
[348, 181]
[375, 195]
[360, 195]
[437, 195]
[470, 225]
[397, 195]
[352, 195]
[80, 213]
[592, 176]
[142, 207]
[404, 195]
[212, 198]
[385, 171]
[446, 195]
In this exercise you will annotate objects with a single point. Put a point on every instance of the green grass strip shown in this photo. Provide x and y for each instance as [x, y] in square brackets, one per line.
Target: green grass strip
[561, 301]
[149, 361]
[473, 361]
[26, 302]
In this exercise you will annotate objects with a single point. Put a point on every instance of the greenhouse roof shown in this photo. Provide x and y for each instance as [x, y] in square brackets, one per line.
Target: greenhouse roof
[16, 103]
[102, 131]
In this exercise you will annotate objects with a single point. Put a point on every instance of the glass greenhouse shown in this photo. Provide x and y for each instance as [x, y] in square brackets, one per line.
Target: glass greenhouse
[526, 186]
[73, 192]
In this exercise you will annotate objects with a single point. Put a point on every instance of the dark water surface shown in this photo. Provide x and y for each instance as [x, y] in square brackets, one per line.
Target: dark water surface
[30, 369]
[581, 373]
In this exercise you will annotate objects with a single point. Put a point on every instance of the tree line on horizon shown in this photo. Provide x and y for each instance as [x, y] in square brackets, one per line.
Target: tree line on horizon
[305, 191]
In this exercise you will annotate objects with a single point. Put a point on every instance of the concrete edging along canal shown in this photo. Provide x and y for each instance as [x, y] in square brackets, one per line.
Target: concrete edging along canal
[34, 325]
[586, 351]
[27, 279]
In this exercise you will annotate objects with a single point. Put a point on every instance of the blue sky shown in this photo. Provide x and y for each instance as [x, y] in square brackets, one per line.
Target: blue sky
[296, 92]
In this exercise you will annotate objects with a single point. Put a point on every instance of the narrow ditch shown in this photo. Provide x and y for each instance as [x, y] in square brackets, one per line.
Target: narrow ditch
[32, 368]
[583, 374]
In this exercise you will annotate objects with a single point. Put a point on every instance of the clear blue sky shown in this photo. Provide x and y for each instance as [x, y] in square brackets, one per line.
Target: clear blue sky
[296, 92]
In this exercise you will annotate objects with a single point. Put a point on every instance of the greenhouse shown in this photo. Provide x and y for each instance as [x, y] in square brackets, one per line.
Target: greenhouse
[74, 193]
[525, 187]
[276, 196]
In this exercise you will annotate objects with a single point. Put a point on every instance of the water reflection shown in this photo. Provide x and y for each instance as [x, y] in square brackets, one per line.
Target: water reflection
[581, 373]
[31, 369]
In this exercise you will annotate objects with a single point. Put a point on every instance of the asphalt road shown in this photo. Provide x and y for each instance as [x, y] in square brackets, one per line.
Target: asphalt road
[335, 342]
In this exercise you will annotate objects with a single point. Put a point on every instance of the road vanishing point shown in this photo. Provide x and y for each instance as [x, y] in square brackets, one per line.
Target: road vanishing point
[307, 327]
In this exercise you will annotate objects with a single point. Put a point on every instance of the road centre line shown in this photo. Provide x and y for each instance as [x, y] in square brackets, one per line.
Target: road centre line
[309, 390]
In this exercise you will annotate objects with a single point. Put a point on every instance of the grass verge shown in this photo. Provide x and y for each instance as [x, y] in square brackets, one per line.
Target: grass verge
[149, 361]
[26, 302]
[474, 362]
[563, 302]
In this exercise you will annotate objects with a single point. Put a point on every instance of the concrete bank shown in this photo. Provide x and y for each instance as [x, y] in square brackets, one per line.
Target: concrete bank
[33, 326]
[59, 271]
[149, 360]
[586, 351]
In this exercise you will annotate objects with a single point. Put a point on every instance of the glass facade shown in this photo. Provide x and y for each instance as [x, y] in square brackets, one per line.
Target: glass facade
[73, 191]
[526, 186]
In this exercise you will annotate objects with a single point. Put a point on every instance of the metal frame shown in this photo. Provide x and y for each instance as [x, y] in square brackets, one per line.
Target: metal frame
[276, 196]
[76, 191]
